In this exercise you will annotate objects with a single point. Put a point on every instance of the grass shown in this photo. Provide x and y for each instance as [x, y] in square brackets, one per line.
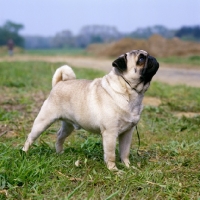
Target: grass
[167, 168]
[189, 60]
[177, 98]
[46, 52]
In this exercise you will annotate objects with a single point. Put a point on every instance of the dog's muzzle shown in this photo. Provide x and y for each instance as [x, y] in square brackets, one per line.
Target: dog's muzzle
[150, 69]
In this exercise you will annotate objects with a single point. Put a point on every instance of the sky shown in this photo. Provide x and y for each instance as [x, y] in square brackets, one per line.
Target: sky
[48, 17]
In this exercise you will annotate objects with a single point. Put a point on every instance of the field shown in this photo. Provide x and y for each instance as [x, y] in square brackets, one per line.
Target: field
[167, 167]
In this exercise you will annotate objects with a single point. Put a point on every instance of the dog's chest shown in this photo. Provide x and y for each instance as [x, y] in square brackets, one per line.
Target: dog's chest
[131, 115]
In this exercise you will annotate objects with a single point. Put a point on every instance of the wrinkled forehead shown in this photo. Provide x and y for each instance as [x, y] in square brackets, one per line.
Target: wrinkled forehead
[137, 52]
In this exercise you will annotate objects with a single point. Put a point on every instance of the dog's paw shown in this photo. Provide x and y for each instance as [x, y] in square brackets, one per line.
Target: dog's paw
[126, 162]
[60, 152]
[112, 166]
[23, 149]
[59, 149]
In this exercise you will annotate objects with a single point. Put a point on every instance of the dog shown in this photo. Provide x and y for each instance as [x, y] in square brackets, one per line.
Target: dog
[110, 105]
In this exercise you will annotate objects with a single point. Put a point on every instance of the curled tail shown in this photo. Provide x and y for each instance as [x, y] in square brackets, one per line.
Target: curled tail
[63, 73]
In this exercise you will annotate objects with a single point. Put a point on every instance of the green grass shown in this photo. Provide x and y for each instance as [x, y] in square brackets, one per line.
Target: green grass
[167, 168]
[191, 60]
[47, 52]
[36, 75]
[177, 98]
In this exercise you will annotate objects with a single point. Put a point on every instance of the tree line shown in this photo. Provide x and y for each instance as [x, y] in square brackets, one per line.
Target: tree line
[90, 34]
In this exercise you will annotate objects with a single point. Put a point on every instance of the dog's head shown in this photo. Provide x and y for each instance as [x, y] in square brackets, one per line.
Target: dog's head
[137, 68]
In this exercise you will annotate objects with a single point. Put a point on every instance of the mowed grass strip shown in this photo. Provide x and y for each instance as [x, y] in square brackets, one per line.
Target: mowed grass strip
[167, 168]
[186, 60]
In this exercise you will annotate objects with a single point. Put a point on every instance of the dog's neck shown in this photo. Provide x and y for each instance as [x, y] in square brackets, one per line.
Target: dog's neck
[125, 97]
[121, 87]
[133, 88]
[119, 74]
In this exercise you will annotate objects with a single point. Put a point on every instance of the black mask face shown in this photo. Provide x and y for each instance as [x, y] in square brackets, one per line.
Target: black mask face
[150, 69]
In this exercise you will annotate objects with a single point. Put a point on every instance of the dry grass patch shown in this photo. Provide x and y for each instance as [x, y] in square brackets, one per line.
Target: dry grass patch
[155, 45]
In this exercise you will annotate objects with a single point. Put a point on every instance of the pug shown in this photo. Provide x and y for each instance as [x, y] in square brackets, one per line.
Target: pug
[110, 105]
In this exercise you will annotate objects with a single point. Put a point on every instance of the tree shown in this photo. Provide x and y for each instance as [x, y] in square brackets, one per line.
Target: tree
[149, 31]
[10, 30]
[188, 32]
[63, 39]
[97, 34]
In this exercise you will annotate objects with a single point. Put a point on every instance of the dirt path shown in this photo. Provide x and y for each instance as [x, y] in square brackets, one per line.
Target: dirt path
[171, 74]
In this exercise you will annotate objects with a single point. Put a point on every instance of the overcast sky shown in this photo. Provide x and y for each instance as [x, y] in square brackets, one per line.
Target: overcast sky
[47, 17]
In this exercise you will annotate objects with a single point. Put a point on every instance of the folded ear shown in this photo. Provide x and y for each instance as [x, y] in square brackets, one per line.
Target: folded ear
[120, 63]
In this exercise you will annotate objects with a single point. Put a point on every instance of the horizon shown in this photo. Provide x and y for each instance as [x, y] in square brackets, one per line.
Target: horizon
[174, 29]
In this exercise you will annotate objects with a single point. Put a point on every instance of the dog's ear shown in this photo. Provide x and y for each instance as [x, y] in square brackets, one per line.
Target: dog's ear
[120, 63]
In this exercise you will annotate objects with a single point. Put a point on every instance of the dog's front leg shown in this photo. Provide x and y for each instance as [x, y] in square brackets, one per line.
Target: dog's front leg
[109, 145]
[124, 146]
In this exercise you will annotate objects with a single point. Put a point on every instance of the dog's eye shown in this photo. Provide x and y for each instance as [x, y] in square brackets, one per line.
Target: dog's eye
[141, 60]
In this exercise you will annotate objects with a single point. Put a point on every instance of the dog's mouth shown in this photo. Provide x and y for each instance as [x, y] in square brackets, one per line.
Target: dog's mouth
[150, 68]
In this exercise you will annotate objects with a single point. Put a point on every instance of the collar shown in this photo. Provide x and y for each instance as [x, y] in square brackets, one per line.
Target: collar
[130, 85]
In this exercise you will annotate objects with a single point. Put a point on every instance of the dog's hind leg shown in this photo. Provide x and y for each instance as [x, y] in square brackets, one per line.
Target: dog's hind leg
[65, 130]
[44, 119]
